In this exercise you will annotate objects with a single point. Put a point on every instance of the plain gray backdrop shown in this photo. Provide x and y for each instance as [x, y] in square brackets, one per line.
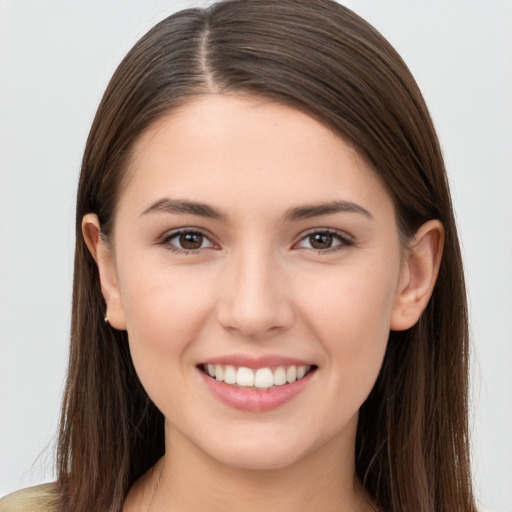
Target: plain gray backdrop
[56, 57]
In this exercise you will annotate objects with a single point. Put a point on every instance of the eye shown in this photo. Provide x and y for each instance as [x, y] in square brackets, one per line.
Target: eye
[187, 241]
[325, 240]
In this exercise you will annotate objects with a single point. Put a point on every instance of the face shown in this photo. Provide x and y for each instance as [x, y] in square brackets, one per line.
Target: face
[252, 245]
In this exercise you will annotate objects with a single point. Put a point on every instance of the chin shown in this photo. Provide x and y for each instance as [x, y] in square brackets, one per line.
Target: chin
[259, 459]
[262, 452]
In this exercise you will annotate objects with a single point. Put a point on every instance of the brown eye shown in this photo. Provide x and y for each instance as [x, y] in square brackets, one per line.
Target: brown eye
[325, 241]
[321, 240]
[187, 241]
[191, 241]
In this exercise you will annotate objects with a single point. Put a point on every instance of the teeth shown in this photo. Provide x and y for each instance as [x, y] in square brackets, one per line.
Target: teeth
[291, 374]
[262, 378]
[219, 372]
[279, 376]
[245, 377]
[230, 376]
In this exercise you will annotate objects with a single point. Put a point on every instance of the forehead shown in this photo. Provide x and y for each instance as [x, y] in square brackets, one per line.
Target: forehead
[244, 151]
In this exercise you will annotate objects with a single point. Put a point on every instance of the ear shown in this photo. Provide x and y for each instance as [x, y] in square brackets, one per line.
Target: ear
[103, 255]
[418, 275]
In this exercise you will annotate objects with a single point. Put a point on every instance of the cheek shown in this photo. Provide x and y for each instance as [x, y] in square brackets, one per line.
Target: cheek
[165, 312]
[352, 300]
[350, 314]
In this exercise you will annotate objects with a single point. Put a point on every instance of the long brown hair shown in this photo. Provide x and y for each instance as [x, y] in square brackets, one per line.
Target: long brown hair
[321, 58]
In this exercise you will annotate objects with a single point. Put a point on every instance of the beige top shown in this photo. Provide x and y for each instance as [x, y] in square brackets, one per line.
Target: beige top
[40, 498]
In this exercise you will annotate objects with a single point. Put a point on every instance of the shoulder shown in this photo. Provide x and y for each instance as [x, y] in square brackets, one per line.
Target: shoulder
[41, 498]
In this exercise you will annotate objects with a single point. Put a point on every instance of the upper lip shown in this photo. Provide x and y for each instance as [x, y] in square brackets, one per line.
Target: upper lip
[263, 361]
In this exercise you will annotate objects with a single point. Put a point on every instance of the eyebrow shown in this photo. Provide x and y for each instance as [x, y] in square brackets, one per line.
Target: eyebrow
[182, 206]
[167, 205]
[316, 210]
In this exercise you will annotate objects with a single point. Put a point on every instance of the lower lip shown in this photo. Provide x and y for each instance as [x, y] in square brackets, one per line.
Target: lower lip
[252, 399]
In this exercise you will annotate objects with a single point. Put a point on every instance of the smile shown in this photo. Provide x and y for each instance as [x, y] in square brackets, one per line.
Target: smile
[258, 386]
[259, 378]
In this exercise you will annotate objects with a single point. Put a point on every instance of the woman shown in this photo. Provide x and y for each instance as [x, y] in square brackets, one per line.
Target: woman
[268, 295]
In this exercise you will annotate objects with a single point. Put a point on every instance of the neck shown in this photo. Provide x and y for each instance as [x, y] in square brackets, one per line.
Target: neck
[190, 480]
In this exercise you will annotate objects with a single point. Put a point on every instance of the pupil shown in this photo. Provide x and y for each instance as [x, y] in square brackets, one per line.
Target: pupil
[321, 240]
[191, 240]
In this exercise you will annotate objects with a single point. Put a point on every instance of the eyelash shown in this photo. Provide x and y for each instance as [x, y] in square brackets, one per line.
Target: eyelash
[343, 239]
[166, 241]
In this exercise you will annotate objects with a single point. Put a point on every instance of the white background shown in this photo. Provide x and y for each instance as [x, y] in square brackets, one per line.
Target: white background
[56, 57]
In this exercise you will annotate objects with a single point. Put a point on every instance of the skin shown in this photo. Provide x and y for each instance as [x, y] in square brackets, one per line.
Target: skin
[257, 286]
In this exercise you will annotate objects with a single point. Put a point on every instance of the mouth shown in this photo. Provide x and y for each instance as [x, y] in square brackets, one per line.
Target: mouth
[260, 379]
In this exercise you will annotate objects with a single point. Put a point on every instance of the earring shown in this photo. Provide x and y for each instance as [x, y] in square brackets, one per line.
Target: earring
[106, 319]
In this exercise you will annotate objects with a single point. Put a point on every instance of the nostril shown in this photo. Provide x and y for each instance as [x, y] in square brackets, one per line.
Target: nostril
[257, 321]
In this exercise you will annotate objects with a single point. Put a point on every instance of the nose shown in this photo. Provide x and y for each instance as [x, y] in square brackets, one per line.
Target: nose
[253, 297]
